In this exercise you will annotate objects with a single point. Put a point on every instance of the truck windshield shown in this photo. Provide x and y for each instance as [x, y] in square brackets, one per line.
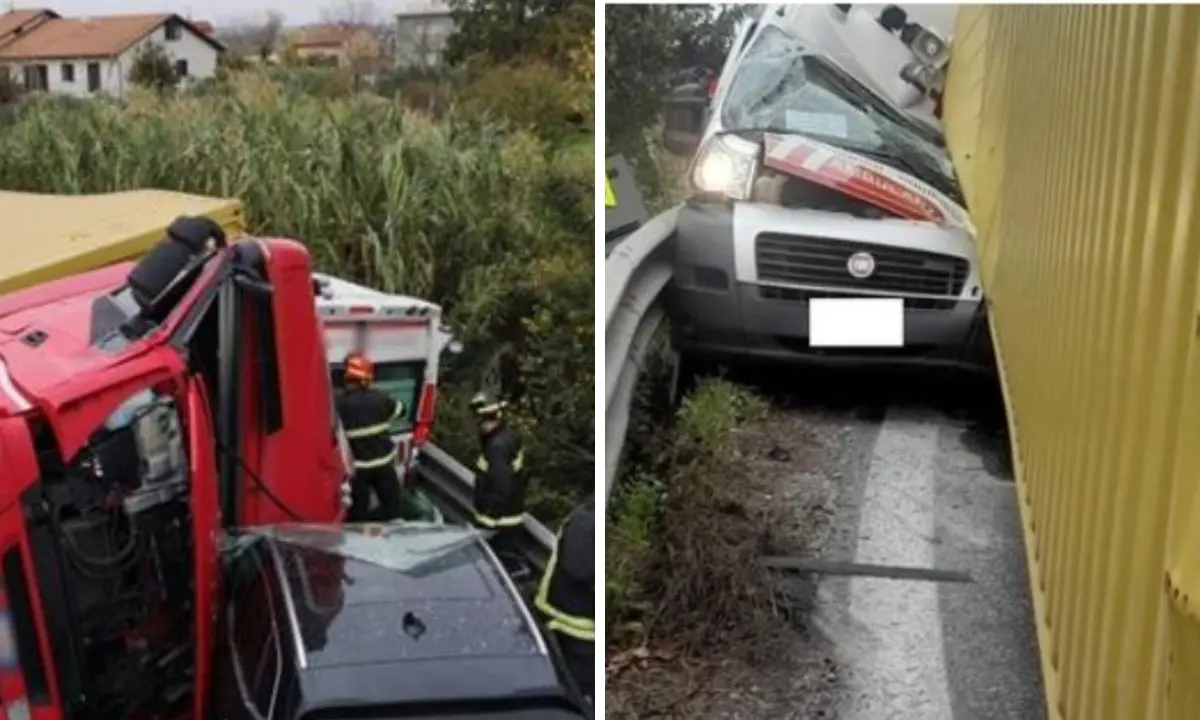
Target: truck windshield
[403, 381]
[781, 87]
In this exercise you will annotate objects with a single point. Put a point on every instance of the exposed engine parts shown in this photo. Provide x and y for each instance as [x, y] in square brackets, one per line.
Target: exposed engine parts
[112, 540]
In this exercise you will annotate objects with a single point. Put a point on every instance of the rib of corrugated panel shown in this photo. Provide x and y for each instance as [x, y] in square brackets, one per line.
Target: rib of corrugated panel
[1076, 130]
[51, 236]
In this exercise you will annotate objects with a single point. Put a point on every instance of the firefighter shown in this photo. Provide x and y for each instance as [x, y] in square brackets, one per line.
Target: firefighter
[367, 415]
[567, 594]
[499, 478]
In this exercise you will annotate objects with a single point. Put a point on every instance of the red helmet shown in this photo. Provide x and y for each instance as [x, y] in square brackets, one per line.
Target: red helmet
[358, 368]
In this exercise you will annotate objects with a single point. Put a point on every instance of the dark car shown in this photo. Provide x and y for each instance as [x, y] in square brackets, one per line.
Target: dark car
[387, 621]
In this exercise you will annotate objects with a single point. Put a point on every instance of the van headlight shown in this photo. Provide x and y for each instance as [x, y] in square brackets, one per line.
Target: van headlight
[725, 166]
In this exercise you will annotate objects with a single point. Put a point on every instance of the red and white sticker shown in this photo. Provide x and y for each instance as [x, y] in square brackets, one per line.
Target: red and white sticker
[851, 174]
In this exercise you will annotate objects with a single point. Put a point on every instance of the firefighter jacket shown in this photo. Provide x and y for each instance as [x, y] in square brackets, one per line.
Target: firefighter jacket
[367, 415]
[500, 480]
[567, 594]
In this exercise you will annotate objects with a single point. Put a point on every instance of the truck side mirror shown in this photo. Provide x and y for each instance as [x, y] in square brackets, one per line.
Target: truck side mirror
[684, 111]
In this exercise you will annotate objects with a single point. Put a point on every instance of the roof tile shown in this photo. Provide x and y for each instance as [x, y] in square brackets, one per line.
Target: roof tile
[103, 36]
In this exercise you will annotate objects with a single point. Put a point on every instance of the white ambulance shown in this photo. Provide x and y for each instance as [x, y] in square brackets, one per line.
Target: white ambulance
[403, 336]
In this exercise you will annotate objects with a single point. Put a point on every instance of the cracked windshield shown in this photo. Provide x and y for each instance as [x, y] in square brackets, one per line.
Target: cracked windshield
[783, 86]
[405, 548]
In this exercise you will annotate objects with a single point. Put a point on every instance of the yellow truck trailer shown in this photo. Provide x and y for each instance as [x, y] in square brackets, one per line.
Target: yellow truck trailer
[51, 236]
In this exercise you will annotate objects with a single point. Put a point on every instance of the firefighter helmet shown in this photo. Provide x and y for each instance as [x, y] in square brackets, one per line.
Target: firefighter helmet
[358, 368]
[485, 406]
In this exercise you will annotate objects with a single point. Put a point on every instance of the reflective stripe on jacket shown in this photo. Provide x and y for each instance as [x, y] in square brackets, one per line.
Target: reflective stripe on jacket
[566, 594]
[367, 416]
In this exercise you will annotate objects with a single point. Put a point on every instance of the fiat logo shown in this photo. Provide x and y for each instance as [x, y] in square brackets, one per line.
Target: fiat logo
[861, 265]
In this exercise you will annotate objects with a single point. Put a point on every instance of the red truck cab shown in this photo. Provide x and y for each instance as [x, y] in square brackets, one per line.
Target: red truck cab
[143, 408]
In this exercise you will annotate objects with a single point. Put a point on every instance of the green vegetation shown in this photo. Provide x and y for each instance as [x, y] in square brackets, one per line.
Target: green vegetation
[650, 49]
[679, 548]
[475, 206]
[677, 570]
[152, 68]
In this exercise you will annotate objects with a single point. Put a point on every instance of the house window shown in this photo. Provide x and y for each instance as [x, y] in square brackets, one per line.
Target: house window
[68, 72]
[93, 71]
[174, 30]
[181, 68]
[37, 77]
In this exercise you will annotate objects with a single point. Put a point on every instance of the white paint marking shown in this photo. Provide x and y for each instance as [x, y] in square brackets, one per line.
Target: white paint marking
[817, 159]
[784, 147]
[902, 672]
[8, 388]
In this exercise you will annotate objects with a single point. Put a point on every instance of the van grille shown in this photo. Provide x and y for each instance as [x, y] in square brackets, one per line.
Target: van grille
[802, 260]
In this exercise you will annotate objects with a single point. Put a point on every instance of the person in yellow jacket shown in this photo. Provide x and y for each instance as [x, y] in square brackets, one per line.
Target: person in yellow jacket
[567, 594]
[367, 415]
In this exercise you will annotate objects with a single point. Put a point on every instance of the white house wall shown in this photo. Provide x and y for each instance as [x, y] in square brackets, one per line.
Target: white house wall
[114, 74]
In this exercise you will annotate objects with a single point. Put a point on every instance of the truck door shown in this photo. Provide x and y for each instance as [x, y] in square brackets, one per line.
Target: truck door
[206, 522]
[26, 682]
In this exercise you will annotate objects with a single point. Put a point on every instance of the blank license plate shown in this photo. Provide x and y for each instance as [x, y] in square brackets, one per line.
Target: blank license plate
[856, 322]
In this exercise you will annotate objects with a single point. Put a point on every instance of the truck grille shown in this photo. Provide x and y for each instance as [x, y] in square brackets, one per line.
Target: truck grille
[805, 260]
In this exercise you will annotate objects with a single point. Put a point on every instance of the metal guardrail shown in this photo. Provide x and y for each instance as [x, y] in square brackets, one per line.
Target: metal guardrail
[635, 275]
[450, 484]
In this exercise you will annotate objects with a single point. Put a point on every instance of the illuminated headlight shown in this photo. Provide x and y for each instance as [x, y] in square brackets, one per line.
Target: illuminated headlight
[725, 166]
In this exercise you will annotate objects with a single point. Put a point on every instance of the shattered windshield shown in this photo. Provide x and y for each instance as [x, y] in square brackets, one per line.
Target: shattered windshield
[779, 87]
[405, 547]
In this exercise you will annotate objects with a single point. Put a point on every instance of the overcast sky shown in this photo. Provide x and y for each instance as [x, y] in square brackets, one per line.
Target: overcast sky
[216, 11]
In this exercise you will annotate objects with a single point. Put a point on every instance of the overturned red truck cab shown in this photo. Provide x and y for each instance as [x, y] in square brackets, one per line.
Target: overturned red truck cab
[145, 408]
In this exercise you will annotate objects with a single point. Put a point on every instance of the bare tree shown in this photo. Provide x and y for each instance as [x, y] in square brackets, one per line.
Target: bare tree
[254, 36]
[364, 47]
[351, 13]
[268, 34]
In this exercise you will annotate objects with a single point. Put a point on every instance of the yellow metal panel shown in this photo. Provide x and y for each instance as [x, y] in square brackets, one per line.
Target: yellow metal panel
[1076, 130]
[49, 236]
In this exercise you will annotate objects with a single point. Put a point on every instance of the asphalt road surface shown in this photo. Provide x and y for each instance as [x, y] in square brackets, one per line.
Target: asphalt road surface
[924, 481]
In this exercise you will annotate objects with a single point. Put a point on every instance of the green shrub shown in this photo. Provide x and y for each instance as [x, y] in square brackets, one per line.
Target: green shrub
[679, 564]
[534, 97]
[487, 222]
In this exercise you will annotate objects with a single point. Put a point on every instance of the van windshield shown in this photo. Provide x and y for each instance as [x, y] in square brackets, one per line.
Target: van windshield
[780, 86]
[403, 381]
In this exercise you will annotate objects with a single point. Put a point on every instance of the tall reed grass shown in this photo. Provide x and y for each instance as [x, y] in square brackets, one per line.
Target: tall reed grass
[491, 222]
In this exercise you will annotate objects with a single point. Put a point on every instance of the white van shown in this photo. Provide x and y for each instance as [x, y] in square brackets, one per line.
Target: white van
[404, 338]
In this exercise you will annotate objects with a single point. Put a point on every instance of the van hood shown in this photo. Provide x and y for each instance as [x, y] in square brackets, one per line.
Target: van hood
[864, 179]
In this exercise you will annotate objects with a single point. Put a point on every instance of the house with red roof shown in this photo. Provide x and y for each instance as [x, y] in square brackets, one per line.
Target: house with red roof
[85, 56]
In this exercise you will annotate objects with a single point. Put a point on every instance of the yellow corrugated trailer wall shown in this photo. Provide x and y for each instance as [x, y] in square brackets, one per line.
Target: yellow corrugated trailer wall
[1076, 130]
[44, 237]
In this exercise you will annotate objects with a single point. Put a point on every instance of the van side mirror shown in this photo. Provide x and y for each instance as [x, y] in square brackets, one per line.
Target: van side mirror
[685, 110]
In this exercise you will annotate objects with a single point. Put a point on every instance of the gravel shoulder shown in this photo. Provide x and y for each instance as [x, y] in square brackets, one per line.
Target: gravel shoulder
[789, 467]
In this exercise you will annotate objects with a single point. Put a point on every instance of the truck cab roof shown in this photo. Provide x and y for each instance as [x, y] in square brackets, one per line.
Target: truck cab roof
[411, 617]
[46, 333]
